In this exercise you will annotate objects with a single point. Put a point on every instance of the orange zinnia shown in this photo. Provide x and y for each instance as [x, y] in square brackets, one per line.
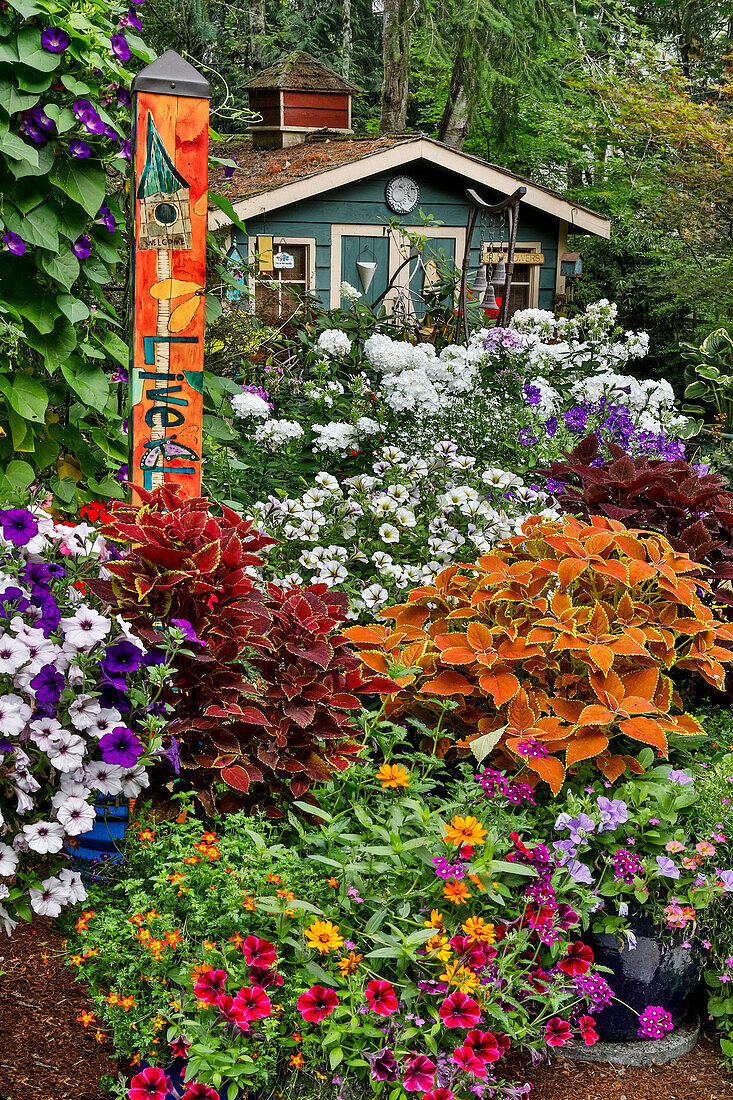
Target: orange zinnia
[461, 977]
[457, 892]
[324, 936]
[478, 931]
[349, 964]
[437, 920]
[393, 775]
[464, 830]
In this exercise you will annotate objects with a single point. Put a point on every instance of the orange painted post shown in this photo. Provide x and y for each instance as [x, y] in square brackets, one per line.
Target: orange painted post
[170, 182]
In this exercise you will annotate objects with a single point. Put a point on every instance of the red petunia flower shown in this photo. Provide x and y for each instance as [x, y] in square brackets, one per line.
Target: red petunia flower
[503, 1042]
[253, 1002]
[472, 954]
[588, 1032]
[149, 1084]
[418, 1074]
[262, 976]
[557, 1032]
[458, 1010]
[466, 1059]
[179, 1047]
[317, 1003]
[578, 960]
[259, 952]
[381, 998]
[232, 1011]
[210, 985]
[198, 1091]
[484, 1045]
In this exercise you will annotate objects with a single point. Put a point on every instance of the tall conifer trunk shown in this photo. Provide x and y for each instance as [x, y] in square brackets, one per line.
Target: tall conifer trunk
[396, 44]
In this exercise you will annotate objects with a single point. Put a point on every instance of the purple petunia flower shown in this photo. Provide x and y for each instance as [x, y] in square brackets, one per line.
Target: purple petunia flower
[677, 776]
[188, 631]
[119, 46]
[667, 867]
[122, 656]
[121, 746]
[726, 877]
[79, 148]
[383, 1065]
[55, 39]
[14, 243]
[82, 246]
[48, 685]
[579, 872]
[19, 525]
[614, 812]
[229, 170]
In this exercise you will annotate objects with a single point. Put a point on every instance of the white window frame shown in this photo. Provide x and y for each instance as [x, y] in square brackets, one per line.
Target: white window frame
[278, 239]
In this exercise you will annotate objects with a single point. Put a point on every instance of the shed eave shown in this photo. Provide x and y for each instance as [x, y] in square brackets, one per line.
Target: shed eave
[579, 218]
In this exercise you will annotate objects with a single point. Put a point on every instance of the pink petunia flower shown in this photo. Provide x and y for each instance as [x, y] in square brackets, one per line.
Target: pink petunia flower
[557, 1032]
[588, 1032]
[381, 998]
[259, 952]
[458, 1010]
[466, 1059]
[317, 1003]
[197, 1090]
[484, 1045]
[150, 1084]
[253, 1002]
[210, 985]
[418, 1074]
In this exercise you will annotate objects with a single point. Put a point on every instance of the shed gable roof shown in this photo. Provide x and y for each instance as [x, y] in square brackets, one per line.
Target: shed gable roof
[271, 179]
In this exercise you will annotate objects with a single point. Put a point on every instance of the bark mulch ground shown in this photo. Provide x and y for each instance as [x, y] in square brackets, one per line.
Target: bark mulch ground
[46, 1054]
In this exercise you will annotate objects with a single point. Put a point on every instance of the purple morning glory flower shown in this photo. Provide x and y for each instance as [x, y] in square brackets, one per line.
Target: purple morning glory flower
[55, 40]
[106, 217]
[19, 525]
[121, 746]
[36, 125]
[677, 776]
[123, 97]
[667, 867]
[82, 246]
[122, 473]
[131, 20]
[79, 148]
[119, 45]
[229, 170]
[14, 243]
[125, 150]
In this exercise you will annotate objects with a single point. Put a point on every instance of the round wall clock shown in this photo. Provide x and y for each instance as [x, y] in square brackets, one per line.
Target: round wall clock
[402, 194]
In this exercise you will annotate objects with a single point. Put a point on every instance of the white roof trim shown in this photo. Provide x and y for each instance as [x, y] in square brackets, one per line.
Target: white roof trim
[406, 152]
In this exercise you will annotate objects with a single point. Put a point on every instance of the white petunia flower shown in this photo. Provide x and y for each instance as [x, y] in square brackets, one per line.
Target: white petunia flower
[76, 816]
[8, 861]
[328, 482]
[381, 558]
[405, 517]
[134, 780]
[14, 653]
[332, 572]
[44, 836]
[14, 715]
[105, 722]
[49, 900]
[72, 883]
[43, 730]
[103, 777]
[85, 627]
[374, 596]
[388, 533]
[84, 712]
[66, 751]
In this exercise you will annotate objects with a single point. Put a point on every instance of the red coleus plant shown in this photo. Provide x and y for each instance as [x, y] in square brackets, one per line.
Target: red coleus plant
[557, 646]
[266, 692]
[693, 511]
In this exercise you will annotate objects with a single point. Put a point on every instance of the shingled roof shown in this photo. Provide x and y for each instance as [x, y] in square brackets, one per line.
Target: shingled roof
[300, 72]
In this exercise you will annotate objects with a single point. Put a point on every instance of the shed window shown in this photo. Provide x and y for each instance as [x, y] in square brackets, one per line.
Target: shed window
[279, 291]
[520, 294]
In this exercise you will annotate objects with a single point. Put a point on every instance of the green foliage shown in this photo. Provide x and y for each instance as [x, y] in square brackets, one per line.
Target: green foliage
[60, 334]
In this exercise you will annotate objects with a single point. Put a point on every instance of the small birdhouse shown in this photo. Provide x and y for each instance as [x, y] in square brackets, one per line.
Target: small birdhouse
[571, 265]
[165, 199]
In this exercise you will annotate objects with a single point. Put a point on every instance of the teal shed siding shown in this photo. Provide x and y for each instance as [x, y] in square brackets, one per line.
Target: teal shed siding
[442, 194]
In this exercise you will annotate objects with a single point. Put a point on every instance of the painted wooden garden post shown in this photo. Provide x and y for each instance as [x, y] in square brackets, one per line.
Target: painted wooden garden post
[170, 181]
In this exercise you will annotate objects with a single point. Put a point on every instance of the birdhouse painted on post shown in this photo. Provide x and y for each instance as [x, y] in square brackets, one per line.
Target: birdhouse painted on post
[165, 198]
[571, 265]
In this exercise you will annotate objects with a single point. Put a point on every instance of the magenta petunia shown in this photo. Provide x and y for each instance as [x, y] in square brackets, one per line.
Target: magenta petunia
[465, 1058]
[257, 952]
[317, 1003]
[253, 1002]
[197, 1090]
[381, 998]
[418, 1074]
[210, 985]
[458, 1010]
[557, 1032]
[588, 1031]
[578, 960]
[150, 1084]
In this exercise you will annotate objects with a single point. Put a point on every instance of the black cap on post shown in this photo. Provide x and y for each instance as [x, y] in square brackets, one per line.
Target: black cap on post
[170, 74]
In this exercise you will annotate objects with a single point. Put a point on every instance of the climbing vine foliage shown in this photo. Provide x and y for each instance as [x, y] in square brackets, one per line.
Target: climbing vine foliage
[65, 69]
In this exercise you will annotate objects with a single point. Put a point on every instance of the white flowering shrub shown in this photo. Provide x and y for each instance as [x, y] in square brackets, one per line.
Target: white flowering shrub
[77, 710]
[379, 534]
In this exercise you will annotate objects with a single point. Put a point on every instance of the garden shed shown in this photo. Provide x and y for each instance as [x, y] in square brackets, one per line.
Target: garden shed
[318, 198]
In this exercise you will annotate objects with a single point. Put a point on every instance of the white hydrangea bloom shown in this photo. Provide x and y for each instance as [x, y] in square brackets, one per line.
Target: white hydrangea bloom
[334, 343]
[250, 406]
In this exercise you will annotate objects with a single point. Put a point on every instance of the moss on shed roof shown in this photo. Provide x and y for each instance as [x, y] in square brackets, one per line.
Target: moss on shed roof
[300, 72]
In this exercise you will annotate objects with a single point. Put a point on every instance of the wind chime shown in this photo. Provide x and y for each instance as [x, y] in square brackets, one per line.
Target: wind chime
[490, 276]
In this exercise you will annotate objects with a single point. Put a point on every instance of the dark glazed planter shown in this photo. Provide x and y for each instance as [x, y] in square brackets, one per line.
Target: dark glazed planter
[658, 972]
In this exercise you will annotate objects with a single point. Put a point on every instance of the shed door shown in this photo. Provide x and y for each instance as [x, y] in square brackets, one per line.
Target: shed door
[369, 249]
[420, 277]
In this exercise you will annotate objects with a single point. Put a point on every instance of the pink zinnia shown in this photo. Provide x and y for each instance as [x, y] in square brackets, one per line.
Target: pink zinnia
[418, 1074]
[210, 985]
[465, 1058]
[149, 1084]
[199, 1091]
[557, 1032]
[484, 1045]
[458, 1010]
[381, 998]
[253, 1002]
[317, 1003]
[259, 952]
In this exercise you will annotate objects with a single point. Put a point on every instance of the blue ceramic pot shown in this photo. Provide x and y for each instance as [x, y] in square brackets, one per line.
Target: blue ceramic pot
[659, 971]
[105, 839]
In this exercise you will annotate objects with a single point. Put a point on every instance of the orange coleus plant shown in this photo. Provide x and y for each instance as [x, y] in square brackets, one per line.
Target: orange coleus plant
[557, 646]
